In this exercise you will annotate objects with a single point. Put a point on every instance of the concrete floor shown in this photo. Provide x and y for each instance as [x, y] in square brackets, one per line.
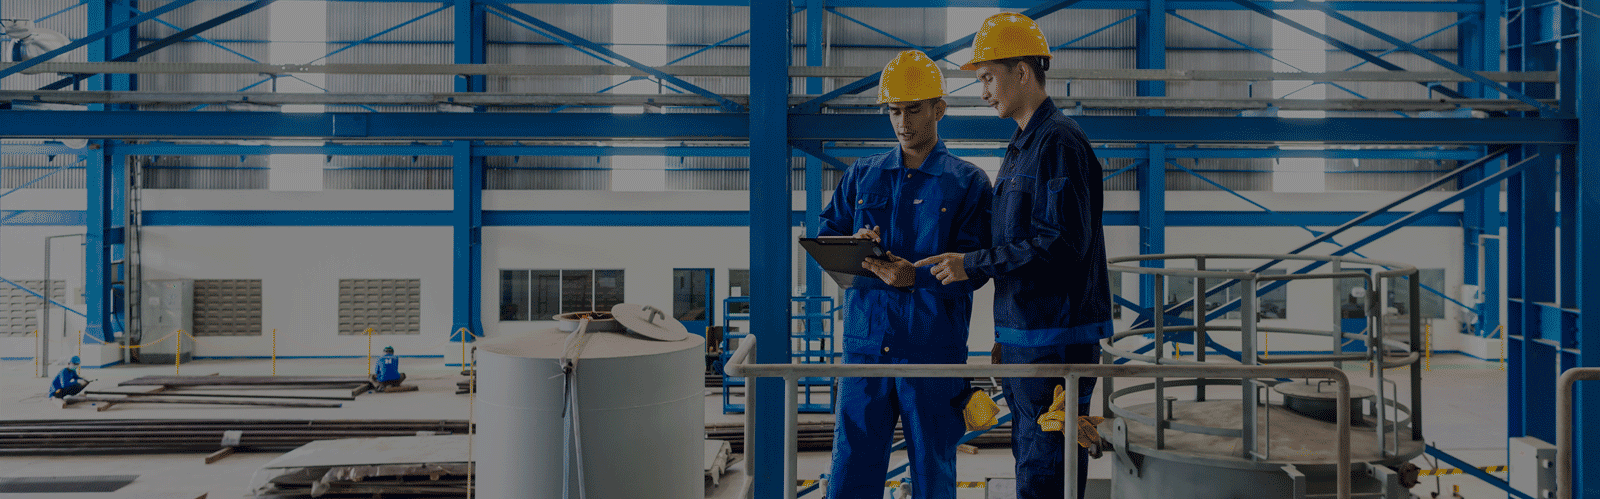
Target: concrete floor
[1463, 414]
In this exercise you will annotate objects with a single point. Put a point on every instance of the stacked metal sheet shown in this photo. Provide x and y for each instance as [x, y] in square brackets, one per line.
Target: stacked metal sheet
[390, 467]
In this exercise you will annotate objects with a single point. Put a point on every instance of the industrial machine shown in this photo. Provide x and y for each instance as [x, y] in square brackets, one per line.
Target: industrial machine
[1230, 438]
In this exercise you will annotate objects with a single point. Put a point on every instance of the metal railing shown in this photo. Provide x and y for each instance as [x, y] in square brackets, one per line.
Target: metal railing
[792, 373]
[1564, 385]
[1380, 349]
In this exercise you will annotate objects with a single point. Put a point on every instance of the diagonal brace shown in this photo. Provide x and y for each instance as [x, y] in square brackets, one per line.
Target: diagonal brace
[1363, 218]
[1480, 79]
[727, 105]
[95, 37]
[1394, 226]
[936, 53]
[164, 42]
[814, 148]
[1265, 11]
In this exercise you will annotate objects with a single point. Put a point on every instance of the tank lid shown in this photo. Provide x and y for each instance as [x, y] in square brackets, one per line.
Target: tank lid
[650, 322]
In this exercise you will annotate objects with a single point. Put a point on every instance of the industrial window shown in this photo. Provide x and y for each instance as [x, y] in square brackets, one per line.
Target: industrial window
[227, 307]
[1399, 295]
[538, 295]
[19, 310]
[388, 306]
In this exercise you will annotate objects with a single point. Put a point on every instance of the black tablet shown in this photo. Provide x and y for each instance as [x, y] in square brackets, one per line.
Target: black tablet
[843, 254]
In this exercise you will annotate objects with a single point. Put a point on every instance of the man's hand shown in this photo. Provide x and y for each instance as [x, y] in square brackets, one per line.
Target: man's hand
[895, 271]
[866, 233]
[948, 267]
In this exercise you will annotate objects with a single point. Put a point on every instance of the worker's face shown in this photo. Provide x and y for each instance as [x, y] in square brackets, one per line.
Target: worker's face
[1002, 87]
[916, 124]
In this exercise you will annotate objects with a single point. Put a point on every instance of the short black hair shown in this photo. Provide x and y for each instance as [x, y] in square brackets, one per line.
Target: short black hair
[1036, 63]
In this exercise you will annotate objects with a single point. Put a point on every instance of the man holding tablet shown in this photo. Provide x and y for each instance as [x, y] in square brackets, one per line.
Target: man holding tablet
[916, 200]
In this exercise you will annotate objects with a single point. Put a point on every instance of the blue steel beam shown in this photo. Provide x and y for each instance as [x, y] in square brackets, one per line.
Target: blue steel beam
[41, 177]
[41, 297]
[93, 37]
[167, 41]
[1305, 227]
[1403, 222]
[816, 55]
[734, 126]
[467, 178]
[1265, 11]
[1348, 6]
[558, 218]
[727, 105]
[1356, 221]
[940, 52]
[1463, 20]
[770, 247]
[1475, 472]
[167, 148]
[1152, 219]
[1586, 440]
[1480, 79]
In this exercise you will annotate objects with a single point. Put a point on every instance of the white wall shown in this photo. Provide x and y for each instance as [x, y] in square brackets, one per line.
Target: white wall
[300, 266]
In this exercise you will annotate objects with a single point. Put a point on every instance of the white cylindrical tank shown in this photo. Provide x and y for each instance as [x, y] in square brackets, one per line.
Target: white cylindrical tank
[641, 414]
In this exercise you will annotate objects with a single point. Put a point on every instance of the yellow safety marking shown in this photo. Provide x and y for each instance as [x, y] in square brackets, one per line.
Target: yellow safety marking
[1452, 471]
[274, 352]
[369, 351]
[177, 356]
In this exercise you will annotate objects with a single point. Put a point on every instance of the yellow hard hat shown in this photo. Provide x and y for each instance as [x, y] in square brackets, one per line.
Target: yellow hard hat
[910, 77]
[1006, 35]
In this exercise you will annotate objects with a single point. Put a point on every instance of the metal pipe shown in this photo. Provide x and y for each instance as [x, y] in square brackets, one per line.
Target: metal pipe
[1564, 385]
[1416, 369]
[737, 367]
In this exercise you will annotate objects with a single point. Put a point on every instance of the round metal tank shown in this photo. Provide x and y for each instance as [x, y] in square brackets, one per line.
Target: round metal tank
[641, 413]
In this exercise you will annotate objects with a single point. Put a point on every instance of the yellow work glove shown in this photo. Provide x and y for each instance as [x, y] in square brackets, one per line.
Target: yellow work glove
[1054, 418]
[1087, 432]
[980, 411]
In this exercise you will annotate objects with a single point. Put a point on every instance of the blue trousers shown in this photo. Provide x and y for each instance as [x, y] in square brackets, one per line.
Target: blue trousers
[1041, 461]
[864, 431]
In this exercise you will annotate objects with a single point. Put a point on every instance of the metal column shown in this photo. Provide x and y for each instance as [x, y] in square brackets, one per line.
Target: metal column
[467, 173]
[816, 52]
[769, 231]
[1586, 481]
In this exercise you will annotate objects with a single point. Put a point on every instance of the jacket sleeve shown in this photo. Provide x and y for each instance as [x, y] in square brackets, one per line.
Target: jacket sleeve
[839, 216]
[971, 232]
[1063, 224]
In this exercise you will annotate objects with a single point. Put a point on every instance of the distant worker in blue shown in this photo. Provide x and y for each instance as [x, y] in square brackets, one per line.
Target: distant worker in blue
[67, 382]
[1052, 296]
[386, 371]
[915, 200]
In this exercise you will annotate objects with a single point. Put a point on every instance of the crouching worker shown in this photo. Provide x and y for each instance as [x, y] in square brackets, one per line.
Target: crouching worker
[386, 372]
[67, 382]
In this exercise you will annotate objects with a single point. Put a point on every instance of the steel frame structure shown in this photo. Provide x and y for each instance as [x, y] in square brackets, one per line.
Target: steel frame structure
[1546, 329]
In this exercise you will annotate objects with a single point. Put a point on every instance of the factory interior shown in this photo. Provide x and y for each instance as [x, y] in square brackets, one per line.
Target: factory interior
[1298, 249]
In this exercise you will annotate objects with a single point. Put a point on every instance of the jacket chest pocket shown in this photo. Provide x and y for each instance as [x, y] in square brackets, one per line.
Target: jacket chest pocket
[1013, 202]
[873, 210]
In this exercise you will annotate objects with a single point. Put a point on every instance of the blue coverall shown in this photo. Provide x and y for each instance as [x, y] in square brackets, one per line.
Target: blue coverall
[68, 378]
[388, 368]
[1052, 298]
[941, 206]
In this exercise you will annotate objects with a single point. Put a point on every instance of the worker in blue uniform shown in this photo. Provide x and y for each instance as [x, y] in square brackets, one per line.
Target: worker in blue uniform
[915, 200]
[67, 382]
[386, 371]
[1052, 298]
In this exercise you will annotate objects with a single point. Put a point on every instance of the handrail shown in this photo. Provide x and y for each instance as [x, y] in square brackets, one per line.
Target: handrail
[791, 373]
[1564, 386]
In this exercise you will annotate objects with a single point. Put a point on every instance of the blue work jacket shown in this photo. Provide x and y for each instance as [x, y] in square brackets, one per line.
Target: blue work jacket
[387, 367]
[1048, 261]
[64, 379]
[941, 206]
